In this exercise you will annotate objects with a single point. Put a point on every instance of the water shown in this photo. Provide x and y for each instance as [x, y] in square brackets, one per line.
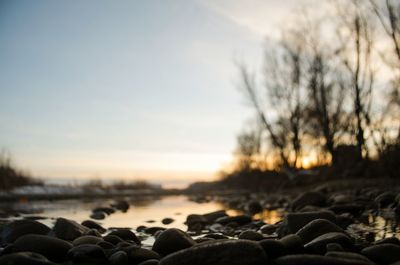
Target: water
[150, 210]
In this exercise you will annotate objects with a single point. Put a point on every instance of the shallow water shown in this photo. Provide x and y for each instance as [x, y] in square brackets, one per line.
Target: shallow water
[150, 210]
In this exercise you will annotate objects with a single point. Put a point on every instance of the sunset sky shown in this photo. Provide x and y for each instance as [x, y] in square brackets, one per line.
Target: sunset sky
[128, 89]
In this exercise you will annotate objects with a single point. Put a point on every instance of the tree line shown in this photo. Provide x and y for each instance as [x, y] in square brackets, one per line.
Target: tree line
[329, 90]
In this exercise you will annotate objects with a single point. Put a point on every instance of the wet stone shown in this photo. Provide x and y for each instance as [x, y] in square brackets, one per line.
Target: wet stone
[87, 240]
[240, 220]
[219, 252]
[172, 240]
[383, 253]
[125, 234]
[311, 198]
[251, 235]
[15, 229]
[87, 254]
[93, 225]
[119, 258]
[167, 221]
[68, 229]
[25, 258]
[52, 248]
[316, 228]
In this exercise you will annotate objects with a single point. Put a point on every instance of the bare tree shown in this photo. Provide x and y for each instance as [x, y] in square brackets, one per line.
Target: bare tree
[388, 14]
[248, 148]
[355, 37]
[283, 84]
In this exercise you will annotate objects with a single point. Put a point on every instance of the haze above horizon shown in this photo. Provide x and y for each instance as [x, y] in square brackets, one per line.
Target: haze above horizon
[128, 90]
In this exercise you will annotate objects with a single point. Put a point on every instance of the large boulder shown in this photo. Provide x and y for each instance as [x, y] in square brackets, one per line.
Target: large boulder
[172, 240]
[13, 230]
[219, 252]
[53, 248]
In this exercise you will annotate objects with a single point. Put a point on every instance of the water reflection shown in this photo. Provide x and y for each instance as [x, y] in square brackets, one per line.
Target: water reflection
[155, 208]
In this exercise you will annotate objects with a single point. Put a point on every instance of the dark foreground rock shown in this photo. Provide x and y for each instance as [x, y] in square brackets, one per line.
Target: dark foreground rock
[52, 248]
[68, 229]
[172, 240]
[317, 260]
[24, 258]
[383, 253]
[224, 252]
[15, 229]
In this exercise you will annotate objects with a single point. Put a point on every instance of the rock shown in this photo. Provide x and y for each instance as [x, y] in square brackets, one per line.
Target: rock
[52, 248]
[105, 245]
[137, 254]
[295, 221]
[212, 216]
[268, 229]
[316, 228]
[93, 240]
[150, 262]
[24, 258]
[312, 198]
[254, 207]
[13, 230]
[383, 253]
[196, 222]
[391, 240]
[93, 225]
[307, 259]
[318, 244]
[293, 244]
[87, 254]
[273, 248]
[106, 210]
[216, 236]
[154, 229]
[385, 199]
[224, 252]
[348, 255]
[68, 229]
[352, 208]
[118, 258]
[240, 220]
[251, 235]
[125, 234]
[172, 240]
[121, 205]
[113, 239]
[98, 215]
[167, 221]
[334, 247]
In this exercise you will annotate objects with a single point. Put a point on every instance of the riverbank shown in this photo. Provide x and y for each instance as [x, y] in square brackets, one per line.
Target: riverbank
[321, 226]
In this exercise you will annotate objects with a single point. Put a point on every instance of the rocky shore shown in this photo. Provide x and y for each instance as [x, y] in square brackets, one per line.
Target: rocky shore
[319, 227]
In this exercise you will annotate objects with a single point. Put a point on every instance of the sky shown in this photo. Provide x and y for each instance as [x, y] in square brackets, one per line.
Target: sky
[128, 89]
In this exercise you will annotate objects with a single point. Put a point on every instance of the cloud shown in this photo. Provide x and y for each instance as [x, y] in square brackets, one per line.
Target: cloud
[261, 17]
